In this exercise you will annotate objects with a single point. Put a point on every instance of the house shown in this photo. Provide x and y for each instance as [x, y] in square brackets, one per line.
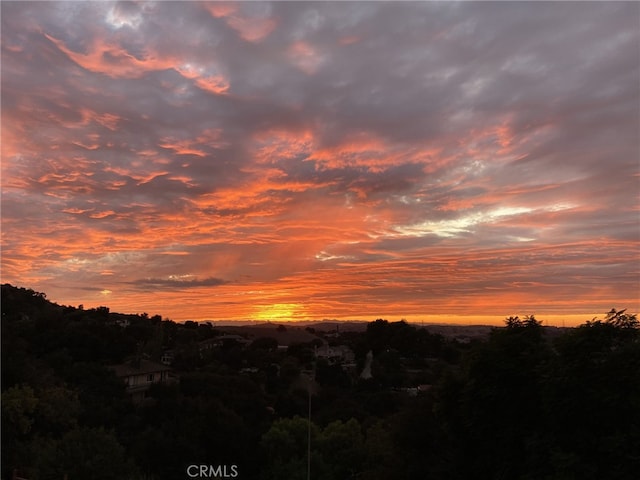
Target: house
[217, 342]
[138, 375]
[121, 321]
[339, 354]
[415, 391]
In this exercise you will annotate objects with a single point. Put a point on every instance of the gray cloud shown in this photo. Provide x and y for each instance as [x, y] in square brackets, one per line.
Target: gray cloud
[176, 283]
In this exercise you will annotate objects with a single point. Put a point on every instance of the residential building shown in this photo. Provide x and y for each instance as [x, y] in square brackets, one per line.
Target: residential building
[140, 374]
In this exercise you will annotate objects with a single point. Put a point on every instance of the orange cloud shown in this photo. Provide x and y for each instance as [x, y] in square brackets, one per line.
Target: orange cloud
[107, 120]
[221, 9]
[113, 60]
[305, 57]
[250, 28]
[214, 83]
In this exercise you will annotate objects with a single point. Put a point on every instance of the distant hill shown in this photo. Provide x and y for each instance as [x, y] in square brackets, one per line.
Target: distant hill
[297, 332]
[284, 334]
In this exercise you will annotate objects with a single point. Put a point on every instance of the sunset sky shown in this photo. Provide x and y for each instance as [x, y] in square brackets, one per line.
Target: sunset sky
[296, 160]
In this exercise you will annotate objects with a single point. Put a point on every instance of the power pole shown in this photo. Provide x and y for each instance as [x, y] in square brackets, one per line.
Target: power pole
[309, 434]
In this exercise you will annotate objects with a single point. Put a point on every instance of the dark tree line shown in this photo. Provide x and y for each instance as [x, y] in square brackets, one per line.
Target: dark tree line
[526, 407]
[527, 402]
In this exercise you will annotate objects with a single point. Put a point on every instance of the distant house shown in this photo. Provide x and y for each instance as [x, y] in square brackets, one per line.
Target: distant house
[415, 391]
[220, 341]
[208, 344]
[337, 355]
[122, 322]
[139, 375]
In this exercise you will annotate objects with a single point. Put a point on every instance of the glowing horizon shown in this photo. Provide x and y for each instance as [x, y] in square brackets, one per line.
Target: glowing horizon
[302, 161]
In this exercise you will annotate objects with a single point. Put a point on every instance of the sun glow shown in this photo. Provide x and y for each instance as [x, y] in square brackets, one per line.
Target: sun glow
[280, 311]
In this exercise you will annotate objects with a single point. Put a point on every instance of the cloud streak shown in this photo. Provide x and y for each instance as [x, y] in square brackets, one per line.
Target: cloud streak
[316, 160]
[176, 282]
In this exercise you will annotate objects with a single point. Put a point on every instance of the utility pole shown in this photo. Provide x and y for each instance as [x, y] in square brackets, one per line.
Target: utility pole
[309, 433]
[310, 390]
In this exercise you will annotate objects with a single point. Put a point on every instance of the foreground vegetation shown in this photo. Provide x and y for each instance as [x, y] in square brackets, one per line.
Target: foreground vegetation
[527, 402]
